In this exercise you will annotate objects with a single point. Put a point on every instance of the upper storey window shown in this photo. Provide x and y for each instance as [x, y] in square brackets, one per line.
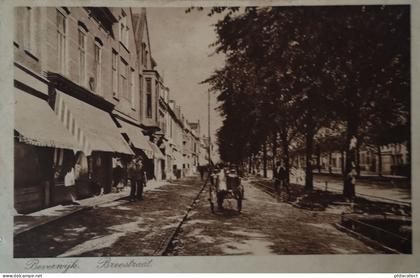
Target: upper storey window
[97, 66]
[123, 30]
[115, 74]
[29, 29]
[82, 53]
[144, 54]
[61, 42]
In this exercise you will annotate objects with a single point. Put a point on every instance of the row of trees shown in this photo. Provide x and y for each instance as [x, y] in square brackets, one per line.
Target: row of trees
[291, 72]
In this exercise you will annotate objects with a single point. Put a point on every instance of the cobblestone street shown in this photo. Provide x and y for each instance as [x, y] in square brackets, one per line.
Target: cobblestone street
[119, 228]
[264, 227]
[144, 228]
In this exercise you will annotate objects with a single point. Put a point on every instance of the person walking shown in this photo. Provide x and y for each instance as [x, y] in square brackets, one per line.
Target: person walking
[201, 170]
[280, 179]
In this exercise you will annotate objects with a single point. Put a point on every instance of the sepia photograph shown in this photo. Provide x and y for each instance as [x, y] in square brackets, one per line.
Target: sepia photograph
[197, 130]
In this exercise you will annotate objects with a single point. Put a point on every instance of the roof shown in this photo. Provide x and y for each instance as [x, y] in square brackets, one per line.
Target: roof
[37, 124]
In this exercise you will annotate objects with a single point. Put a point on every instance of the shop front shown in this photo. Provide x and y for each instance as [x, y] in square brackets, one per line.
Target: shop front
[139, 143]
[100, 141]
[38, 139]
[158, 162]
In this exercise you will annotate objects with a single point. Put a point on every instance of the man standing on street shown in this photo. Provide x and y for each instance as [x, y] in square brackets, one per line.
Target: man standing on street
[141, 179]
[280, 179]
[131, 175]
[137, 177]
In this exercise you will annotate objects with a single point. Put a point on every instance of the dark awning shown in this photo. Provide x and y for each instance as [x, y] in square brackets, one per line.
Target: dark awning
[135, 134]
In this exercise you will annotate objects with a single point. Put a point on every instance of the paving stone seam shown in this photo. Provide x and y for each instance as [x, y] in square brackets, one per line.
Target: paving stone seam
[161, 251]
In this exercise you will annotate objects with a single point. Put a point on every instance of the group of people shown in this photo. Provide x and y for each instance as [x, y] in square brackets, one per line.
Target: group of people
[136, 176]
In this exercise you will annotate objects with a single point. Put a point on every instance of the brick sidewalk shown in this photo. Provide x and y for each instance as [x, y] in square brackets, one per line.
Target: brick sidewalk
[116, 228]
[27, 222]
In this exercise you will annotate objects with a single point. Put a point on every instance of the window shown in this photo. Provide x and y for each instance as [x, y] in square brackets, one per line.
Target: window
[140, 87]
[98, 65]
[144, 55]
[148, 97]
[157, 95]
[123, 82]
[132, 89]
[61, 42]
[114, 74]
[124, 29]
[82, 56]
[29, 29]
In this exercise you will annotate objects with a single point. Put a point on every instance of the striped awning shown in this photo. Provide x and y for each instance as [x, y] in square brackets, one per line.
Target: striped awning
[157, 153]
[37, 124]
[136, 137]
[92, 127]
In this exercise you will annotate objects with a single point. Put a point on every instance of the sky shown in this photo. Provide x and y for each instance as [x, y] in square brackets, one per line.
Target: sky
[180, 45]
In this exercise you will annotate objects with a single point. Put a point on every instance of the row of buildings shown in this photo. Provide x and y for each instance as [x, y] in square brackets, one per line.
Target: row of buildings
[88, 96]
[386, 160]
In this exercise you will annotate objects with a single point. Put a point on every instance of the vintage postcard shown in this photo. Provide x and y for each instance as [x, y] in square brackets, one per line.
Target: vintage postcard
[209, 136]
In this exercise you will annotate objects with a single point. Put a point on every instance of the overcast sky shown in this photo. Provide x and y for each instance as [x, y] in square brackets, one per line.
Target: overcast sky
[180, 45]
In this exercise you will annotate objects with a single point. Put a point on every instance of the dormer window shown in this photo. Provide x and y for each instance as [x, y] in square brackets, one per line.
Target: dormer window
[144, 54]
[123, 30]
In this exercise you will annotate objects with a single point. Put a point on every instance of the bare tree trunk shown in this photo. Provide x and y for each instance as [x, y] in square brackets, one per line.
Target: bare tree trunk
[286, 155]
[309, 185]
[329, 162]
[349, 186]
[265, 159]
[358, 158]
[274, 149]
[378, 148]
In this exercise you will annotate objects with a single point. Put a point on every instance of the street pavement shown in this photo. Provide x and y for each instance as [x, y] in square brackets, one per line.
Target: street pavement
[118, 228]
[143, 228]
[264, 227]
